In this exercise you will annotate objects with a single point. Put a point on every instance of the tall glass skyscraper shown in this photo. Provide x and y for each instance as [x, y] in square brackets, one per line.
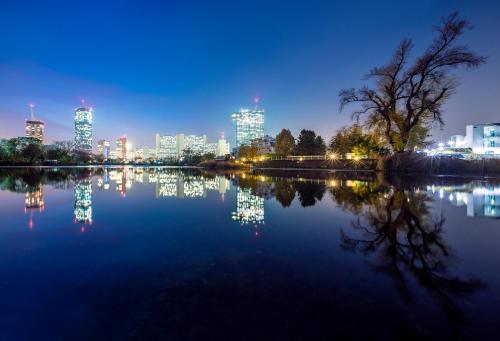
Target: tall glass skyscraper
[249, 125]
[83, 130]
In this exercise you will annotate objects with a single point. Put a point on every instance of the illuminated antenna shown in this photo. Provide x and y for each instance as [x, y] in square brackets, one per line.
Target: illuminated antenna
[222, 135]
[31, 105]
[256, 100]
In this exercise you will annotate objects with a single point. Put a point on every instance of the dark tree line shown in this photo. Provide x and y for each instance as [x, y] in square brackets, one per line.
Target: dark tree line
[307, 143]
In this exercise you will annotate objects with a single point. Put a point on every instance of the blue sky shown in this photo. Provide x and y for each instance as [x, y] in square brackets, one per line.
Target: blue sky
[184, 66]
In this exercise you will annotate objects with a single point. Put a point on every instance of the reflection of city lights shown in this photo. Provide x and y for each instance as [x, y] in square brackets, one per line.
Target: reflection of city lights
[33, 201]
[83, 201]
[480, 200]
[249, 207]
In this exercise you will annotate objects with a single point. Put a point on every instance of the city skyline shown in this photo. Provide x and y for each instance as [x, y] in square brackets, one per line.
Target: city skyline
[162, 84]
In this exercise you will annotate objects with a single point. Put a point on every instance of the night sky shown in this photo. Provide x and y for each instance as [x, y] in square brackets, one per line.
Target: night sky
[184, 66]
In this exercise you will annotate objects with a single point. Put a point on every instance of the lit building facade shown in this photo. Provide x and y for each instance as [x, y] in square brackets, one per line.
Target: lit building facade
[172, 146]
[212, 148]
[249, 126]
[484, 138]
[167, 146]
[265, 144]
[121, 148]
[35, 128]
[103, 148]
[83, 130]
[195, 143]
[223, 147]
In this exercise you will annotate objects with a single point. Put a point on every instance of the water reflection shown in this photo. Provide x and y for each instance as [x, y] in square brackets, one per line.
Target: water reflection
[83, 202]
[33, 202]
[480, 199]
[396, 226]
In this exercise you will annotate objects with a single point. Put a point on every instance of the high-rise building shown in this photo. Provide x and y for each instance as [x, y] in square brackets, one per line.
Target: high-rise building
[249, 125]
[35, 128]
[83, 130]
[167, 146]
[195, 143]
[103, 148]
[170, 146]
[121, 148]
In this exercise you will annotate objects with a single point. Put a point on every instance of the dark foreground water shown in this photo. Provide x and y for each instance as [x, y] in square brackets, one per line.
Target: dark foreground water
[143, 253]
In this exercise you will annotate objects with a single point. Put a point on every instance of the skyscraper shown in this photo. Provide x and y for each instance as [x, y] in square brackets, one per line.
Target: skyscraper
[121, 147]
[83, 130]
[35, 128]
[249, 125]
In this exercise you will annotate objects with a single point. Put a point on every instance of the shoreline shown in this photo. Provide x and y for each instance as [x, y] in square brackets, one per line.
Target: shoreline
[252, 169]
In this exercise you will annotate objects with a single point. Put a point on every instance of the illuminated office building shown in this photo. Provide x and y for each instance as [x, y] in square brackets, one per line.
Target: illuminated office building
[121, 148]
[103, 148]
[83, 130]
[249, 125]
[195, 143]
[167, 146]
[83, 201]
[35, 128]
[170, 146]
[212, 148]
[264, 144]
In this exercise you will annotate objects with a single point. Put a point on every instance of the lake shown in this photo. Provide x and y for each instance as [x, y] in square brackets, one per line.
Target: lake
[165, 253]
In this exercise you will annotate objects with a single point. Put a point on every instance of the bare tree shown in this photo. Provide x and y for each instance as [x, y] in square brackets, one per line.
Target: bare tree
[408, 95]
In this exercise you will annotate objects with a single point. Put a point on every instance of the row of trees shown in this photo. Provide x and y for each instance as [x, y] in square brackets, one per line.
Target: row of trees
[27, 150]
[347, 140]
[307, 143]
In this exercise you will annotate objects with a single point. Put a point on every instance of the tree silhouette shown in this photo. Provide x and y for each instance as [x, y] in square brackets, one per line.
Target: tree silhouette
[398, 227]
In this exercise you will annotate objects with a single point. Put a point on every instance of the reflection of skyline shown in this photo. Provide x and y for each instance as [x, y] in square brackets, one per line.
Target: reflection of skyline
[480, 200]
[33, 201]
[83, 201]
[249, 207]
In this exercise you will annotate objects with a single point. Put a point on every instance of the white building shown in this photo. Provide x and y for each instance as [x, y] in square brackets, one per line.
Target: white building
[195, 143]
[483, 138]
[167, 146]
[223, 147]
[172, 146]
[264, 144]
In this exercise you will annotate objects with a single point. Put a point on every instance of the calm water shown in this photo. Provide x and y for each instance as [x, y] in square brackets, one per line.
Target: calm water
[143, 253]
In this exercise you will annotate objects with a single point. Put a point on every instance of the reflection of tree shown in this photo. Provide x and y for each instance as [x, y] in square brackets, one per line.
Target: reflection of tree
[352, 195]
[22, 180]
[399, 229]
[285, 192]
[309, 193]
